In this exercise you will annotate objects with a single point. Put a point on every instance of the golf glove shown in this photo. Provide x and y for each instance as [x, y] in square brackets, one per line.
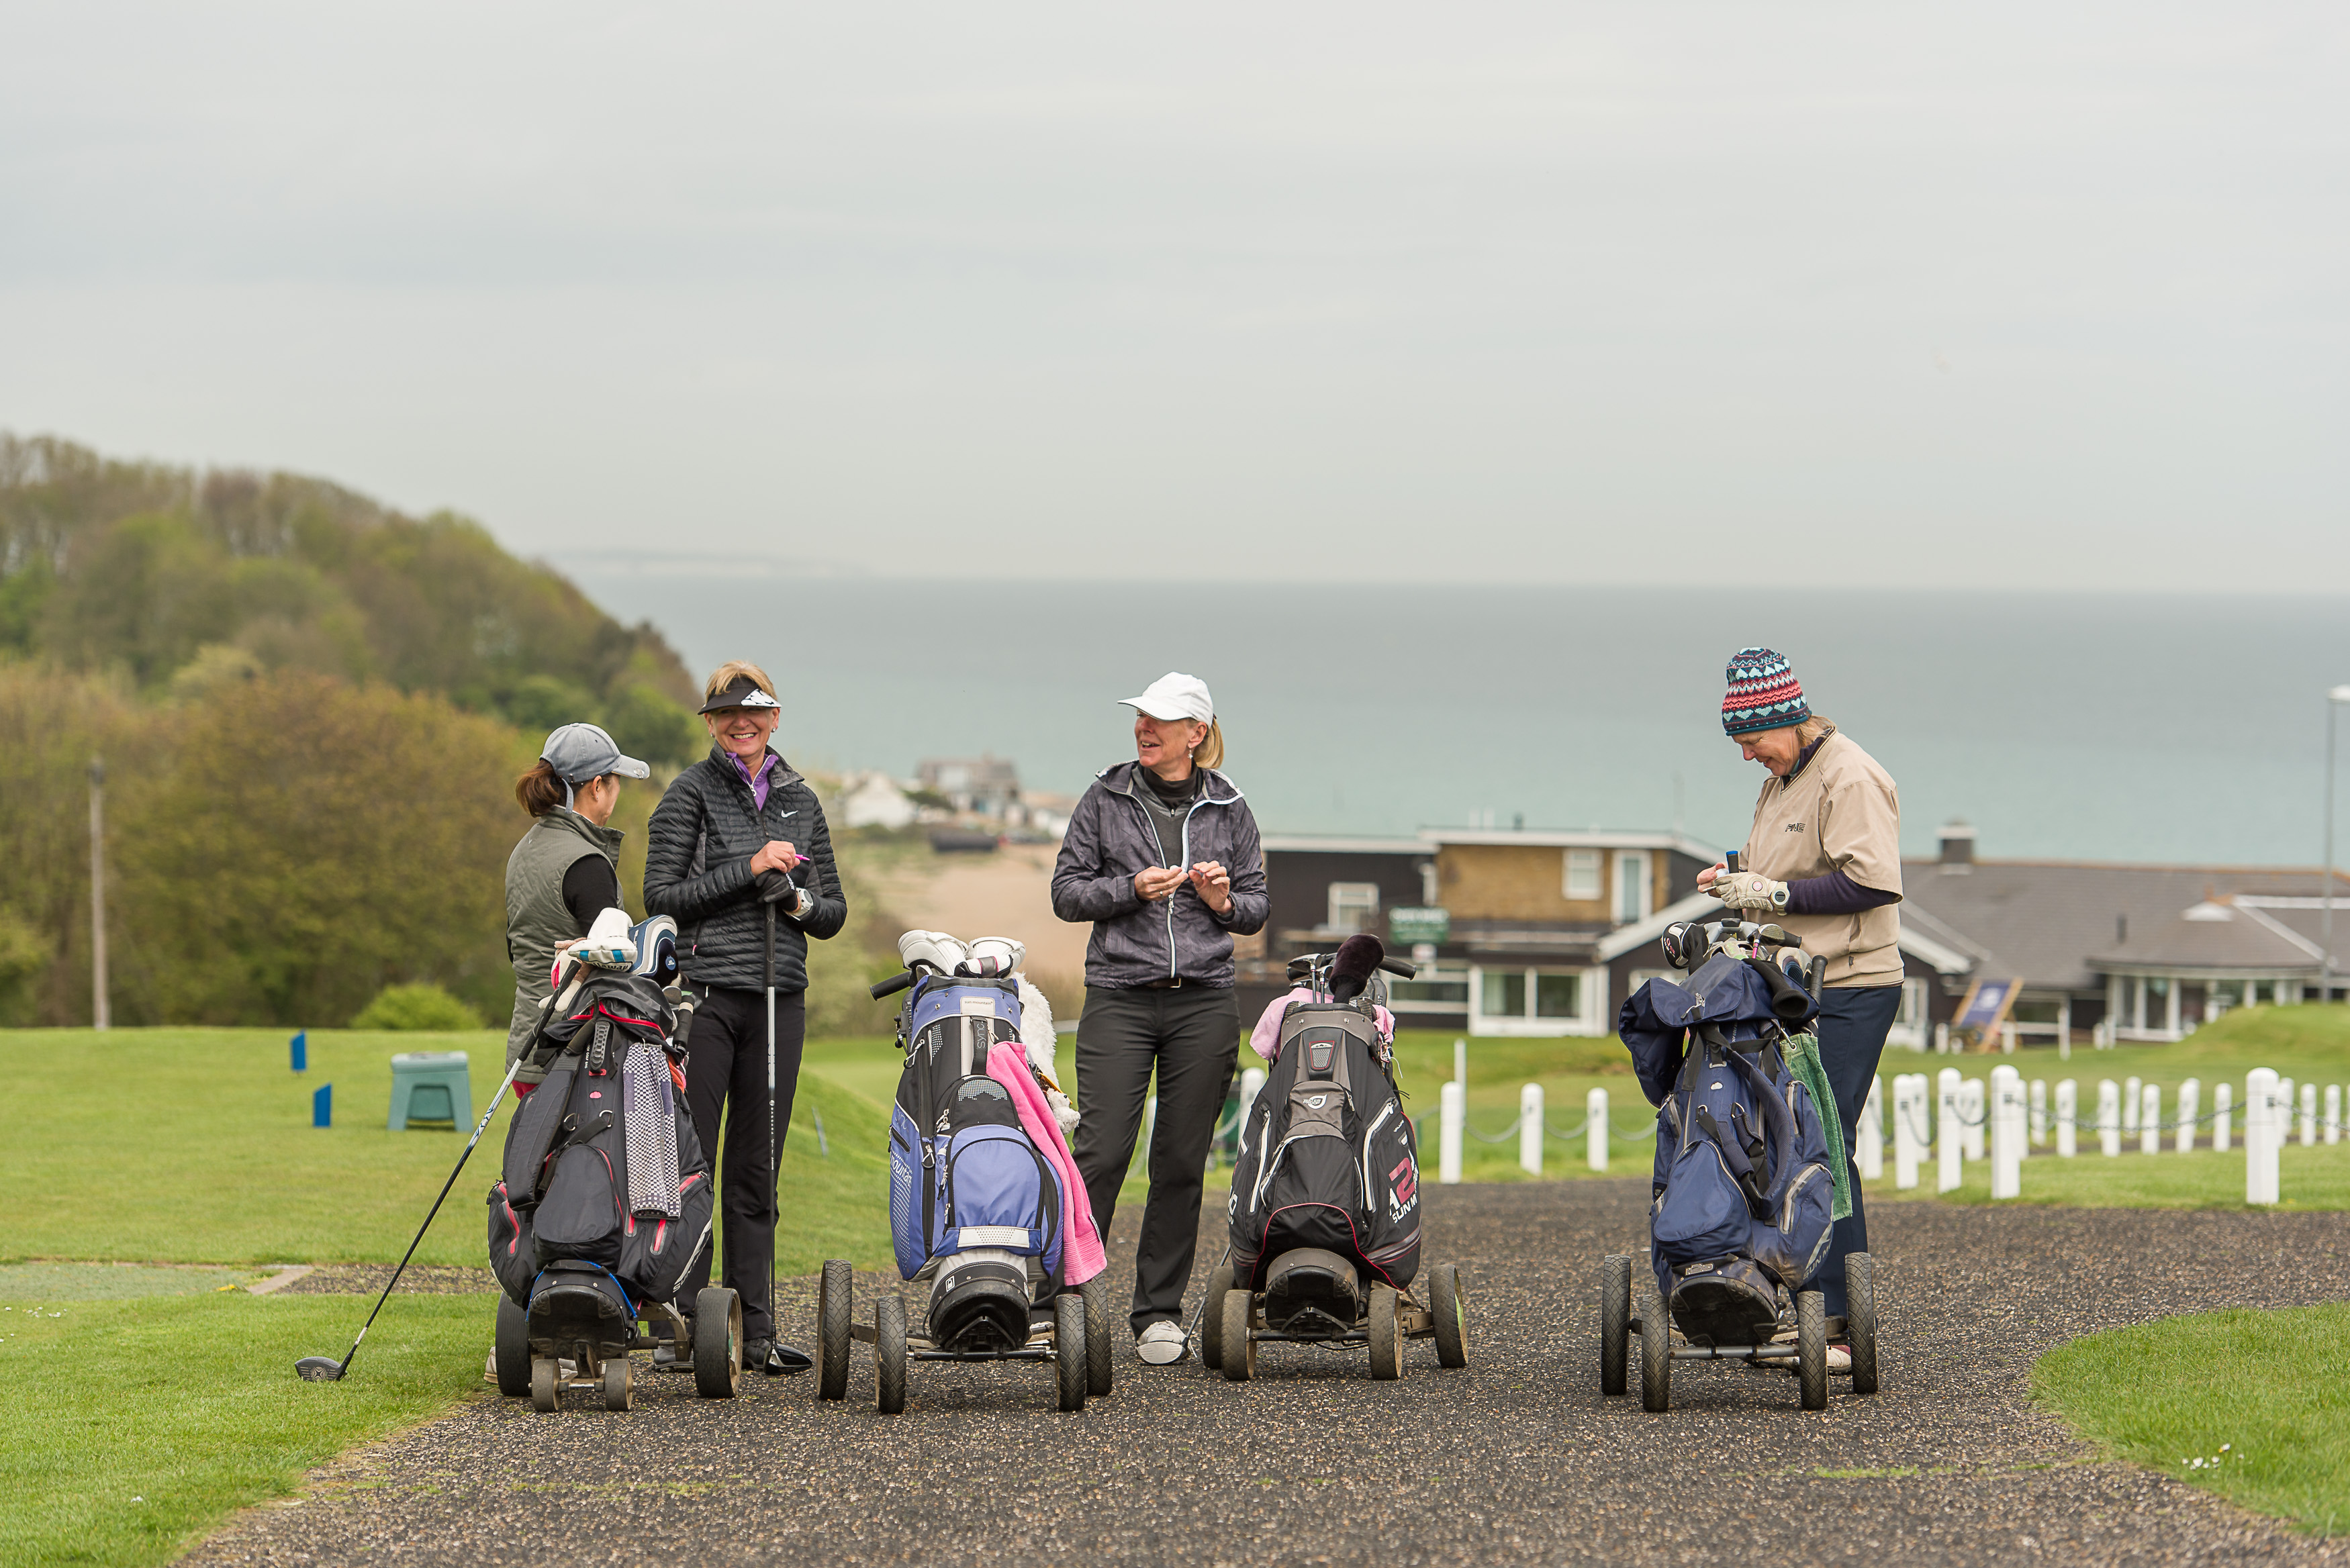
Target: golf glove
[1746, 890]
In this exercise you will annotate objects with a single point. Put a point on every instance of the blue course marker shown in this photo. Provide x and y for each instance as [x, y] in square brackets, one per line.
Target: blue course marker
[322, 1107]
[300, 1048]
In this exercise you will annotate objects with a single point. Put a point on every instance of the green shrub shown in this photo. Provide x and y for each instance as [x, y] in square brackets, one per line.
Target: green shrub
[423, 1006]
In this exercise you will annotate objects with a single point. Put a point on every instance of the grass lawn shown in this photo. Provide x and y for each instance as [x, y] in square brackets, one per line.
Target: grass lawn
[2249, 1404]
[135, 1426]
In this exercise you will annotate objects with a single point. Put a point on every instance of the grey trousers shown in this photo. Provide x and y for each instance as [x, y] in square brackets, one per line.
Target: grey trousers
[1190, 1035]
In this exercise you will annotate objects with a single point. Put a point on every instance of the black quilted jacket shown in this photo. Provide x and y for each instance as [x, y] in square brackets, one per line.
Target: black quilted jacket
[698, 872]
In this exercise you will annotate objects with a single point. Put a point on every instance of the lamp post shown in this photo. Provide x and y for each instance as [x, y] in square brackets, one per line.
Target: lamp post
[2333, 699]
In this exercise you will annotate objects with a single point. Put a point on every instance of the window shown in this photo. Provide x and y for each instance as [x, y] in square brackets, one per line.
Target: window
[1913, 1004]
[1631, 886]
[1583, 874]
[1439, 990]
[1354, 906]
[1504, 994]
[1558, 996]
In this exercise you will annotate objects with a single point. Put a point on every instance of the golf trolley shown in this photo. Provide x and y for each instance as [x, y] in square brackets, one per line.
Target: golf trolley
[1329, 1161]
[977, 1319]
[1738, 1307]
[580, 1322]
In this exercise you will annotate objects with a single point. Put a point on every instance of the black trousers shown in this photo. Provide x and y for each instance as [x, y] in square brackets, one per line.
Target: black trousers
[1852, 1027]
[726, 1071]
[1190, 1036]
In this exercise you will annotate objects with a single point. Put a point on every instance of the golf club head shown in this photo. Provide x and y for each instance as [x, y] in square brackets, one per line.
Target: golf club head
[320, 1369]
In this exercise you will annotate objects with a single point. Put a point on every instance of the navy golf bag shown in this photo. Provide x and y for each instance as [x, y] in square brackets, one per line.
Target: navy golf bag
[605, 1198]
[971, 1197]
[1329, 1161]
[1744, 1189]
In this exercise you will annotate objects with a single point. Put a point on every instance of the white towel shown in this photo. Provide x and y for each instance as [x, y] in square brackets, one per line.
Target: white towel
[650, 1110]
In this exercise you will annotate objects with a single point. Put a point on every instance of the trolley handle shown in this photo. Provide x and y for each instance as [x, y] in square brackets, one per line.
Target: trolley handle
[895, 983]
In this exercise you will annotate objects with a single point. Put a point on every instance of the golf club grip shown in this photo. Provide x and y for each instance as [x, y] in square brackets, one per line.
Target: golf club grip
[894, 984]
[1397, 966]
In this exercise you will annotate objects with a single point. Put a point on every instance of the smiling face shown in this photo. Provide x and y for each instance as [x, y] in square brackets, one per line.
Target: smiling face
[1774, 749]
[1164, 745]
[744, 731]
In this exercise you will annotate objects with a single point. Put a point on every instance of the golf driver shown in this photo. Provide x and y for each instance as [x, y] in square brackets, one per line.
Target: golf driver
[325, 1368]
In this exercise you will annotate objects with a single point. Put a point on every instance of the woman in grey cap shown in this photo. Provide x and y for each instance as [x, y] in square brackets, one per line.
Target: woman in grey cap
[1162, 856]
[567, 870]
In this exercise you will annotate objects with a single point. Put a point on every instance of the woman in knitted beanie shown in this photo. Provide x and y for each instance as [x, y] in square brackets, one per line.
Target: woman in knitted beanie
[1824, 860]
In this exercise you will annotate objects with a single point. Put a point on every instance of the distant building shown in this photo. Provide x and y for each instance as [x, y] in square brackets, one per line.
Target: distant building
[874, 800]
[985, 785]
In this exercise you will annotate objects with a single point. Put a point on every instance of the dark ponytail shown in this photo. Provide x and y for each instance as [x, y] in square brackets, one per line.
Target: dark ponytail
[540, 790]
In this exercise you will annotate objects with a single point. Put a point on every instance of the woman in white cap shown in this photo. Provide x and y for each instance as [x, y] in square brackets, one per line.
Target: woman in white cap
[567, 870]
[1162, 856]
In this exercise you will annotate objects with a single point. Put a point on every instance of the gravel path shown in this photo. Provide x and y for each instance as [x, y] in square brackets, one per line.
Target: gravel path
[1517, 1459]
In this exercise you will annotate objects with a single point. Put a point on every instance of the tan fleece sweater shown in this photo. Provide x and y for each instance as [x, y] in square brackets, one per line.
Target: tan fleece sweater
[1839, 813]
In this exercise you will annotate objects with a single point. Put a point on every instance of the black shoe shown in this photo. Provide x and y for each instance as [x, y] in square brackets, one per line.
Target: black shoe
[775, 1360]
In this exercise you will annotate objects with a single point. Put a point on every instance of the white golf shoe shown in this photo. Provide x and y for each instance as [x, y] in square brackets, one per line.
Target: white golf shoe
[1163, 1343]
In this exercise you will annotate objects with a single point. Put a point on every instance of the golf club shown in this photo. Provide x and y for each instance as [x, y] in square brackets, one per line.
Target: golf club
[774, 1155]
[325, 1368]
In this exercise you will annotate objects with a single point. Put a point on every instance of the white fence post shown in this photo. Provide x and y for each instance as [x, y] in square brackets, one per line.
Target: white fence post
[1461, 1063]
[2285, 1111]
[2222, 1099]
[2149, 1119]
[2333, 1113]
[2109, 1117]
[1595, 1135]
[1871, 1133]
[2039, 1113]
[1974, 1117]
[1452, 1110]
[1530, 1129]
[1946, 1130]
[2261, 1136]
[1909, 1110]
[2190, 1100]
[2130, 1086]
[2007, 1131]
[2309, 1115]
[2068, 1111]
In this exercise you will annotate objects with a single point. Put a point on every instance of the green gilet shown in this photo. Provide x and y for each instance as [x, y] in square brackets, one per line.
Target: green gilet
[537, 919]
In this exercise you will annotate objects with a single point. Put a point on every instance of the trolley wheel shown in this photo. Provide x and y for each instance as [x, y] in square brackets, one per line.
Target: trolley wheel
[512, 1348]
[833, 1307]
[619, 1384]
[1655, 1356]
[889, 1353]
[1615, 1324]
[1386, 1335]
[1451, 1314]
[1212, 1321]
[1238, 1359]
[1860, 1319]
[544, 1395]
[1812, 1349]
[1101, 1369]
[717, 1342]
[1069, 1349]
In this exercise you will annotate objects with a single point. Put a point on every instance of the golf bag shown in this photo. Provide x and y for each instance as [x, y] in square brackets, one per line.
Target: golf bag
[1743, 1190]
[970, 1192]
[605, 1189]
[1328, 1160]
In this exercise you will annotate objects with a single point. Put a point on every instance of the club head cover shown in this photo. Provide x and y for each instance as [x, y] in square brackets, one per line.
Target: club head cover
[1358, 958]
[993, 956]
[938, 950]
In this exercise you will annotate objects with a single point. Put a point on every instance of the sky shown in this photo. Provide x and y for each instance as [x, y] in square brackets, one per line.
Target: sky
[1743, 298]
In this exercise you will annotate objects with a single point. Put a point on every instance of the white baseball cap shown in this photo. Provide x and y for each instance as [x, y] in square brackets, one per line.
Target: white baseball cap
[1174, 696]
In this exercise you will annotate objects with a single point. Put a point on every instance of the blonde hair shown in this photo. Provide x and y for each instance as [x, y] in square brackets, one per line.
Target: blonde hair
[1814, 730]
[1209, 751]
[734, 669]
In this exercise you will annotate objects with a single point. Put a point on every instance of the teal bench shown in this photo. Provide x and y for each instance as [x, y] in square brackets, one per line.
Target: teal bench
[431, 1087]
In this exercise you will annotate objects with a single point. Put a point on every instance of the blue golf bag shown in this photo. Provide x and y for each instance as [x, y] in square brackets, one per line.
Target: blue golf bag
[1748, 1178]
[970, 1194]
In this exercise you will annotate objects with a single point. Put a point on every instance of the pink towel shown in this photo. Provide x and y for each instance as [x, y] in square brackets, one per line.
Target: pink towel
[1081, 1247]
[1266, 1038]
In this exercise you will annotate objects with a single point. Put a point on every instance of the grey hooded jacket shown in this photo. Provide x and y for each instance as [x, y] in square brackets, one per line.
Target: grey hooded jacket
[1139, 943]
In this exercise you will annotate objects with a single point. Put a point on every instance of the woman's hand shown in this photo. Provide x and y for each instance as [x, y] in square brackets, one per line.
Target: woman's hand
[1705, 879]
[1156, 882]
[1214, 886]
[777, 856]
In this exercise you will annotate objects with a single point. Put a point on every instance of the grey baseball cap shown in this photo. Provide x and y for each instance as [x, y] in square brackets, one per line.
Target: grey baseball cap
[578, 752]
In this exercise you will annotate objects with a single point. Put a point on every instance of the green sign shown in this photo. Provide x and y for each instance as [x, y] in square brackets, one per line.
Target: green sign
[1420, 924]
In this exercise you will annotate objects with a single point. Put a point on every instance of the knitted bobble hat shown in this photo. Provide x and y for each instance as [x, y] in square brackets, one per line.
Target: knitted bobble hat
[1763, 693]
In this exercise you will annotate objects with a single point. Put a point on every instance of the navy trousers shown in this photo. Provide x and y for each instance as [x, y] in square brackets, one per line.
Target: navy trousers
[1852, 1027]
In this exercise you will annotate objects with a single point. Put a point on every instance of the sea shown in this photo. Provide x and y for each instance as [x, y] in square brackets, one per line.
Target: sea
[2069, 726]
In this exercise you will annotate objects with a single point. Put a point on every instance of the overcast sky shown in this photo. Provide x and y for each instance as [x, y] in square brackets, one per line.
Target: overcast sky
[2005, 293]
